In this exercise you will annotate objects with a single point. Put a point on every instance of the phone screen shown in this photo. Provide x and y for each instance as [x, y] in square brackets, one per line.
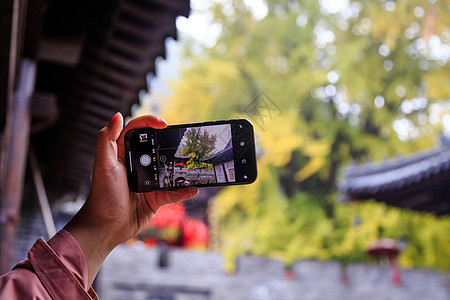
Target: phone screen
[201, 154]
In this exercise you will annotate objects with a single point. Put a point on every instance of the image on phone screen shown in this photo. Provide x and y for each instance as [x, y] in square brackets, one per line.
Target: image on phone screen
[198, 155]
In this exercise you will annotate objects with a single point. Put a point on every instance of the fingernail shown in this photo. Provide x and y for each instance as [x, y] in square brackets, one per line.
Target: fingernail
[162, 120]
[114, 118]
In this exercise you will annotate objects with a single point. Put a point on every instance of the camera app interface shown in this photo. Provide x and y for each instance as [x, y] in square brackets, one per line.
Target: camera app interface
[177, 157]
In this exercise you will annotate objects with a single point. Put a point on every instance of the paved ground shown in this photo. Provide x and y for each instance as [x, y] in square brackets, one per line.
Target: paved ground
[134, 274]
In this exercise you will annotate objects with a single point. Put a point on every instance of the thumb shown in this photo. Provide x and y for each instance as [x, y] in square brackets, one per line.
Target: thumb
[107, 137]
[115, 127]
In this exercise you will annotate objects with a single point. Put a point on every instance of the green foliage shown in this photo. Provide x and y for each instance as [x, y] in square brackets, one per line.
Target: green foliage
[356, 85]
[195, 163]
[198, 144]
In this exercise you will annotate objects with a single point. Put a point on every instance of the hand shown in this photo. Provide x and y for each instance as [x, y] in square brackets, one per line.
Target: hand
[112, 213]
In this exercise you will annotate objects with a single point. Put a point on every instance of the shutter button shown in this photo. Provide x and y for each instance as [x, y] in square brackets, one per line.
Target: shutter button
[145, 160]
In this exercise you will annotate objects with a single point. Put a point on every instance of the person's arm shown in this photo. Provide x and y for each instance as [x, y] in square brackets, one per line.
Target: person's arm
[112, 213]
[54, 270]
[65, 266]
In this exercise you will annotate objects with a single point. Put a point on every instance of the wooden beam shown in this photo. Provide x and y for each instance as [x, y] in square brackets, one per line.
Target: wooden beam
[10, 34]
[16, 149]
[61, 51]
[9, 45]
[42, 194]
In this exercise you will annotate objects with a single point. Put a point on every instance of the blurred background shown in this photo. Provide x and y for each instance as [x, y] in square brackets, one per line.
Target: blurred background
[350, 101]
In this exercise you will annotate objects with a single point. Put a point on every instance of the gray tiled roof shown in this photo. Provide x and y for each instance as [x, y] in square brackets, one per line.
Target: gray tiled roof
[407, 177]
[118, 54]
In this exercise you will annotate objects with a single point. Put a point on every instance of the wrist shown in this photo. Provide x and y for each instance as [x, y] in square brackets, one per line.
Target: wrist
[93, 242]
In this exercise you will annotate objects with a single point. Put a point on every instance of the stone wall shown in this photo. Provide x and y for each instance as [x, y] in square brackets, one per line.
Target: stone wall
[192, 175]
[134, 274]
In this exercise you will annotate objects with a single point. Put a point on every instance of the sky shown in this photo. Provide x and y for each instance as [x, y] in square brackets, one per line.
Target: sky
[198, 26]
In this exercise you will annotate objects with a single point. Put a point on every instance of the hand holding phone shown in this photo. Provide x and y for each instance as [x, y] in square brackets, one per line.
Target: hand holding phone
[217, 153]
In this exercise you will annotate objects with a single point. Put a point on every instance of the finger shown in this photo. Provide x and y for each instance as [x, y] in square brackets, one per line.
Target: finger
[167, 197]
[107, 137]
[152, 121]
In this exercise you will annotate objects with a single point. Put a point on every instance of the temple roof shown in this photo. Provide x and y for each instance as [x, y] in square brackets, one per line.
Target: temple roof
[420, 181]
[93, 59]
[224, 155]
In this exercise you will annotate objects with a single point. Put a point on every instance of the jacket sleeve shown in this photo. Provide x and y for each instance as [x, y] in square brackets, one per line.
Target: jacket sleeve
[53, 270]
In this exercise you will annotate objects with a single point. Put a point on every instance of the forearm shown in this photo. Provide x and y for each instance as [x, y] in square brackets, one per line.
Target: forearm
[93, 242]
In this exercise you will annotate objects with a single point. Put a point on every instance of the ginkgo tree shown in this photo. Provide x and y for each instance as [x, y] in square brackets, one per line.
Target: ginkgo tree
[198, 144]
[366, 81]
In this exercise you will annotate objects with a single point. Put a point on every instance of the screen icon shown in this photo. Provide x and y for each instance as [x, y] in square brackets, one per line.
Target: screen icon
[143, 138]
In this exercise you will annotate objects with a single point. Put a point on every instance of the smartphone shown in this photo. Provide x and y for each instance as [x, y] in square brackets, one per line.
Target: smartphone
[217, 153]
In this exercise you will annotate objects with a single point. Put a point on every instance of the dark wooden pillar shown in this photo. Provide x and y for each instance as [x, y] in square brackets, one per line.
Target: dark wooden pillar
[9, 45]
[15, 159]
